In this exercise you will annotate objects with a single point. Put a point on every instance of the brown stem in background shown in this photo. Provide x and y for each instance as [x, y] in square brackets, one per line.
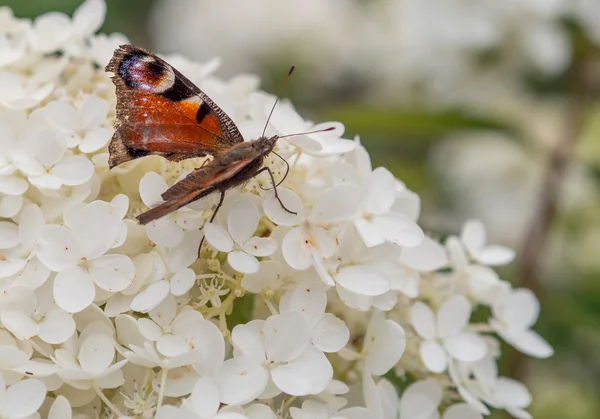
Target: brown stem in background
[581, 84]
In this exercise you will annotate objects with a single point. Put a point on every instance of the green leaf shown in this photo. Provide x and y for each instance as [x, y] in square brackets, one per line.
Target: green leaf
[242, 311]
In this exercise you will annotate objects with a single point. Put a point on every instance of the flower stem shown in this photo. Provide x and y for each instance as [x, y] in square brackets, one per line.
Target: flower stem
[163, 383]
[107, 402]
[269, 305]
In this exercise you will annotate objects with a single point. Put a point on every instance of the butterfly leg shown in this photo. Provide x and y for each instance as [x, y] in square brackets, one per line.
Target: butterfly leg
[268, 169]
[212, 218]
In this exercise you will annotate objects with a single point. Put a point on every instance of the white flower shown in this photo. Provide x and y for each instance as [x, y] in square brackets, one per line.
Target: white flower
[36, 314]
[22, 399]
[83, 126]
[328, 333]
[90, 363]
[158, 275]
[378, 223]
[444, 333]
[510, 395]
[47, 166]
[15, 93]
[169, 329]
[167, 231]
[384, 344]
[312, 238]
[238, 241]
[474, 238]
[76, 252]
[279, 349]
[515, 313]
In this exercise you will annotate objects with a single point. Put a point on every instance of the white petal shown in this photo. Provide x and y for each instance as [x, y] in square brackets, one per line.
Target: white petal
[423, 320]
[112, 273]
[182, 281]
[61, 409]
[260, 246]
[152, 185]
[240, 380]
[94, 140]
[13, 185]
[151, 296]
[473, 236]
[310, 373]
[96, 237]
[521, 310]
[205, 397]
[429, 256]
[330, 334]
[23, 398]
[62, 116]
[468, 347]
[336, 204]
[420, 400]
[74, 289]
[172, 345]
[529, 342]
[453, 316]
[384, 346]
[73, 170]
[510, 392]
[88, 17]
[186, 252]
[57, 248]
[21, 325]
[243, 262]
[380, 191]
[165, 412]
[218, 237]
[496, 256]
[433, 355]
[309, 298]
[248, 341]
[96, 354]
[399, 229]
[207, 339]
[296, 249]
[94, 110]
[461, 411]
[368, 232]
[149, 329]
[286, 336]
[242, 221]
[9, 235]
[30, 224]
[57, 327]
[269, 275]
[277, 214]
[362, 280]
[10, 205]
[164, 232]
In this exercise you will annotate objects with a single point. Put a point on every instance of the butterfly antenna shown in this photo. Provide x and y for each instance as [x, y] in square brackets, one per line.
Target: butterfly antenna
[307, 132]
[285, 82]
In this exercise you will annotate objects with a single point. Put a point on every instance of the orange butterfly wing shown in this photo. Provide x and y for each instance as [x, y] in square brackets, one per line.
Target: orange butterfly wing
[161, 112]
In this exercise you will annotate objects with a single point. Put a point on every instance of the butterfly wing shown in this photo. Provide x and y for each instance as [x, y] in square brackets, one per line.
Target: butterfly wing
[198, 184]
[161, 112]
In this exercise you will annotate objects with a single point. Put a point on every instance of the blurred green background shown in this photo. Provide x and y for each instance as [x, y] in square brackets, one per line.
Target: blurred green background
[486, 109]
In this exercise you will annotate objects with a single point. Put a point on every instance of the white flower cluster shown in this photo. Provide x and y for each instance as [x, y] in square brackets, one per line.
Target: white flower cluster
[102, 317]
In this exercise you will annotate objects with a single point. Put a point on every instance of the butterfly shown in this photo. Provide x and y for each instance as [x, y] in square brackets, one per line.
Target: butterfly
[161, 112]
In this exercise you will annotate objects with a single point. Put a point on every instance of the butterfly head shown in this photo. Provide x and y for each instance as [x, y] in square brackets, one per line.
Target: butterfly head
[264, 145]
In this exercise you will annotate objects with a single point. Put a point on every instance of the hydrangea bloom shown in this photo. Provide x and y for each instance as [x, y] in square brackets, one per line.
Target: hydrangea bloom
[109, 318]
